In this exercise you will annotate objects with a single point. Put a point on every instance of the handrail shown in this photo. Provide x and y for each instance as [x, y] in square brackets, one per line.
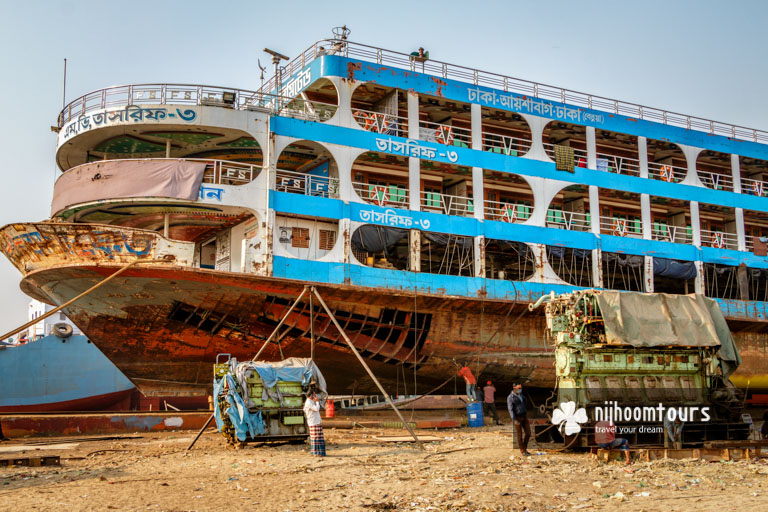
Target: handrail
[379, 122]
[572, 221]
[217, 172]
[666, 172]
[306, 184]
[506, 83]
[445, 134]
[617, 226]
[671, 233]
[507, 212]
[754, 187]
[382, 195]
[719, 239]
[447, 204]
[715, 181]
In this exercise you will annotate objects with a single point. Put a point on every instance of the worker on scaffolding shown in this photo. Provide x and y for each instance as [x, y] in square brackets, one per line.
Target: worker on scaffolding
[470, 381]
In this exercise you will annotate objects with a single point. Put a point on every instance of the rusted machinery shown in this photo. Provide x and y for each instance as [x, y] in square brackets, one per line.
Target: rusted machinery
[630, 358]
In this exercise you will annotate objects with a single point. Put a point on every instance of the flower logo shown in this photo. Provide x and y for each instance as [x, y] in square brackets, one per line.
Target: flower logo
[568, 415]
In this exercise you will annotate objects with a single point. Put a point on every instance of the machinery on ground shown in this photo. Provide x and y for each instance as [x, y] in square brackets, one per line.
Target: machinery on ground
[630, 358]
[263, 401]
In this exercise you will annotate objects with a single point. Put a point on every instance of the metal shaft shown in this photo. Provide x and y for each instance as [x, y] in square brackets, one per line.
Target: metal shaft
[367, 369]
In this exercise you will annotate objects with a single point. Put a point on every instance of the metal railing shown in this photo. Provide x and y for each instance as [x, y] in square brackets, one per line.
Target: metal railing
[673, 234]
[447, 204]
[754, 187]
[572, 221]
[618, 164]
[617, 226]
[445, 134]
[666, 172]
[507, 212]
[517, 85]
[381, 123]
[719, 239]
[505, 145]
[195, 95]
[715, 180]
[217, 172]
[306, 184]
[382, 195]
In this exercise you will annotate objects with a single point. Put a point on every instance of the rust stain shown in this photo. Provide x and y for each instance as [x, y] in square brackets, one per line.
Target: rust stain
[440, 84]
[351, 68]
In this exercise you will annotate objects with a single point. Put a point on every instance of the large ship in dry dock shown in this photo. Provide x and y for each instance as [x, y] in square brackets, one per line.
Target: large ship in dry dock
[429, 203]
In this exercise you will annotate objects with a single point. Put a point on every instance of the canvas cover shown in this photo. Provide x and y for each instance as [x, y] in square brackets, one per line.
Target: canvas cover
[660, 319]
[112, 179]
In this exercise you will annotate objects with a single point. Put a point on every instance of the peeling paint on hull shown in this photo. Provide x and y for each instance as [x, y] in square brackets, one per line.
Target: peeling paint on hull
[164, 326]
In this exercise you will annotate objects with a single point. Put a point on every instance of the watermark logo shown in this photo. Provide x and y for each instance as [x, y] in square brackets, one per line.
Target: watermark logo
[568, 419]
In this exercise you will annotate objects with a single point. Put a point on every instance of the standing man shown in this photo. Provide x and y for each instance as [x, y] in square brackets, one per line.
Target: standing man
[516, 407]
[489, 402]
[469, 380]
[316, 438]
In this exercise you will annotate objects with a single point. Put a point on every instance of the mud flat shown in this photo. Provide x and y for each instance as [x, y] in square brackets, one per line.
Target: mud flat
[473, 470]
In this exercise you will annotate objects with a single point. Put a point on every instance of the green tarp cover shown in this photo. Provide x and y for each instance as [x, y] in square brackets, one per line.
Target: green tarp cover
[659, 319]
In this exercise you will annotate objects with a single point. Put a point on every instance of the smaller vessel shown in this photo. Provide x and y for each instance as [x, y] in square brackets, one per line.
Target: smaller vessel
[57, 373]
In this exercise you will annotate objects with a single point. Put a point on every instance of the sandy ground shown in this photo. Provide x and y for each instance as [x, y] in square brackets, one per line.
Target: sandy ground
[473, 470]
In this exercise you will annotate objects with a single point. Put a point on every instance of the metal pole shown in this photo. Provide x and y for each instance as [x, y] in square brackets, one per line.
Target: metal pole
[64, 95]
[210, 419]
[367, 369]
[86, 292]
[312, 327]
[282, 320]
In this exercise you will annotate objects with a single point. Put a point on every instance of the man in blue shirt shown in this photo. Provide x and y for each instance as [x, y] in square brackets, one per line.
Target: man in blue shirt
[516, 407]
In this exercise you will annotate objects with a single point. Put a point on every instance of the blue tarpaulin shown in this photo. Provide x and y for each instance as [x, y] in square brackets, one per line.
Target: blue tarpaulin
[246, 424]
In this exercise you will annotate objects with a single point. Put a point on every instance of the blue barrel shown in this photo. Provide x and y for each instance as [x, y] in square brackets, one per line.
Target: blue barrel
[475, 414]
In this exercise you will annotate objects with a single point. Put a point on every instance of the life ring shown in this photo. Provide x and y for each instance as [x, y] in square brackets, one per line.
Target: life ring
[444, 135]
[509, 213]
[667, 173]
[62, 330]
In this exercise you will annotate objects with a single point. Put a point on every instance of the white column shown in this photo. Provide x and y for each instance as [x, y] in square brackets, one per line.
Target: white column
[736, 173]
[478, 192]
[345, 228]
[597, 268]
[648, 273]
[480, 256]
[414, 250]
[700, 278]
[645, 216]
[591, 148]
[414, 169]
[691, 154]
[695, 223]
[594, 209]
[642, 156]
[536, 124]
[740, 231]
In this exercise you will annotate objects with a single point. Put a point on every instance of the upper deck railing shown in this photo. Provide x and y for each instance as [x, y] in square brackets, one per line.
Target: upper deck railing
[511, 84]
[244, 99]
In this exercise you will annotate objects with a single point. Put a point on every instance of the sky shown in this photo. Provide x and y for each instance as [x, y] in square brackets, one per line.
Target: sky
[703, 58]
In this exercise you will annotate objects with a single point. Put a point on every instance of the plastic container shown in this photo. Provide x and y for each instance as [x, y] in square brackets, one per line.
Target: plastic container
[475, 414]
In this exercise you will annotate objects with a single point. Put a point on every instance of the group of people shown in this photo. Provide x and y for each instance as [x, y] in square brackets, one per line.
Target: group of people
[515, 406]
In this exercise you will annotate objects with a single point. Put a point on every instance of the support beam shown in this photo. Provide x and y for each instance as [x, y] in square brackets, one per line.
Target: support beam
[280, 324]
[367, 369]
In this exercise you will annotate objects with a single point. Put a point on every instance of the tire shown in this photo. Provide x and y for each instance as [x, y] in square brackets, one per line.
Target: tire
[62, 330]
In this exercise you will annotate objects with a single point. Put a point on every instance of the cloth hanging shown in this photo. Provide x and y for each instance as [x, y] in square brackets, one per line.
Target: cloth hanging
[676, 269]
[370, 238]
[564, 158]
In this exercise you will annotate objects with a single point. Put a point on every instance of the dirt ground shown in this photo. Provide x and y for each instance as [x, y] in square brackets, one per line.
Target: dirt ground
[473, 470]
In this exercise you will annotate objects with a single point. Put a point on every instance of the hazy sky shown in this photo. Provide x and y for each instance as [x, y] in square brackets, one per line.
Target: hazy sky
[703, 58]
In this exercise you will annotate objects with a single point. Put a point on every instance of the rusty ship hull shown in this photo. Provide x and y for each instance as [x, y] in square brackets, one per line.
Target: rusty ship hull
[164, 328]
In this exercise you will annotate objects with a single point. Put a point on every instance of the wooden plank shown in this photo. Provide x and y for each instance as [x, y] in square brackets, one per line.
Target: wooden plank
[51, 460]
[406, 439]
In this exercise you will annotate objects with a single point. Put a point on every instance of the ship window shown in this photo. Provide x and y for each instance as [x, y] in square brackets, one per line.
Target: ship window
[300, 238]
[327, 239]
